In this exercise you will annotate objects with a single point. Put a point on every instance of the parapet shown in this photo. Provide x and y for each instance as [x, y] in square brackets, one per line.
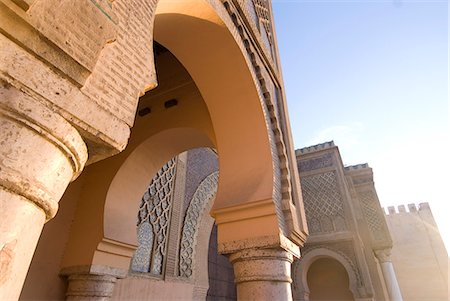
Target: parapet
[411, 208]
[357, 166]
[313, 148]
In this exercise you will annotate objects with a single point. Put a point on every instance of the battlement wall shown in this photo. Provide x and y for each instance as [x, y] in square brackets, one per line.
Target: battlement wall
[409, 208]
[357, 166]
[313, 148]
[418, 254]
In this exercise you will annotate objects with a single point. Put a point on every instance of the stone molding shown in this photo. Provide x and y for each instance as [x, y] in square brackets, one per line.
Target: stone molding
[269, 85]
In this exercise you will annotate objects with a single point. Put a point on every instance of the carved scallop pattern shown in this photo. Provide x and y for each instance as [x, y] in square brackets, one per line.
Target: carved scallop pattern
[204, 193]
[153, 222]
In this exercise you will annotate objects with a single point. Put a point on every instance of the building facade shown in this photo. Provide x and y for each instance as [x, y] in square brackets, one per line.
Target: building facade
[349, 239]
[357, 252]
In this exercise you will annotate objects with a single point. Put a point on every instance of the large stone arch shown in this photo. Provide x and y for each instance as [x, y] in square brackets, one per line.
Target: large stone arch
[235, 125]
[202, 36]
[301, 267]
[94, 66]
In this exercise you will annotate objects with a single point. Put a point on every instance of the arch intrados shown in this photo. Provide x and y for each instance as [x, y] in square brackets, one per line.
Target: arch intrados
[203, 38]
[307, 260]
[134, 175]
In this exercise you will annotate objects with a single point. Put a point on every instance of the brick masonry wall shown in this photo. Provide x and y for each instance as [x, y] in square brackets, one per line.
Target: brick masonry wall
[221, 275]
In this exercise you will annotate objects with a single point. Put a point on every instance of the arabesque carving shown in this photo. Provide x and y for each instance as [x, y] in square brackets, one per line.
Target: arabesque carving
[204, 193]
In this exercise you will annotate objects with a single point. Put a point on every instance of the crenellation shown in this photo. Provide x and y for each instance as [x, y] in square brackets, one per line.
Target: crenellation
[409, 208]
[391, 210]
[357, 166]
[412, 207]
[313, 148]
[424, 206]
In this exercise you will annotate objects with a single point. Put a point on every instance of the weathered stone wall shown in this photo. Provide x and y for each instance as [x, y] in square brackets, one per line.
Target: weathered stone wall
[419, 255]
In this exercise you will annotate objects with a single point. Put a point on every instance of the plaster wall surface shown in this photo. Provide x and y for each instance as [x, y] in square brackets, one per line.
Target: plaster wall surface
[419, 256]
[328, 280]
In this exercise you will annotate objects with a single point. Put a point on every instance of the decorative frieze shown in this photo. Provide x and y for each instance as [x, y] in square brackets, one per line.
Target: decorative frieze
[315, 163]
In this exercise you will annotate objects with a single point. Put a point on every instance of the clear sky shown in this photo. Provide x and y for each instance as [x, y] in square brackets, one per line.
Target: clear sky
[373, 77]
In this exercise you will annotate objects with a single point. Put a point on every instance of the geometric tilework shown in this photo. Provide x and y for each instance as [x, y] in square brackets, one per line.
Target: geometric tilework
[372, 215]
[323, 203]
[153, 222]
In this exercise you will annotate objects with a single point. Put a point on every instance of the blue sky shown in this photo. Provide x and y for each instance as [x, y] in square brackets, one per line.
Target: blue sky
[373, 77]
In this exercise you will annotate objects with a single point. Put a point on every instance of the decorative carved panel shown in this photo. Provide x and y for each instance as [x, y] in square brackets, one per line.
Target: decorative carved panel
[323, 203]
[263, 12]
[153, 222]
[372, 214]
[204, 193]
[316, 163]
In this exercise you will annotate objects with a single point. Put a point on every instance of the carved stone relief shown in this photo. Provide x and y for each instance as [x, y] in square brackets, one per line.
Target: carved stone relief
[316, 163]
[372, 215]
[204, 193]
[153, 222]
[323, 203]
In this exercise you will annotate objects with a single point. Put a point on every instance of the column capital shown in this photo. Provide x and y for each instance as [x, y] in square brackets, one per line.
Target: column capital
[40, 152]
[383, 255]
[262, 273]
[91, 282]
[261, 265]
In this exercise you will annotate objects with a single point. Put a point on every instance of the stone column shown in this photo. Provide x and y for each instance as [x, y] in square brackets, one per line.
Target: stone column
[387, 268]
[91, 283]
[40, 153]
[262, 274]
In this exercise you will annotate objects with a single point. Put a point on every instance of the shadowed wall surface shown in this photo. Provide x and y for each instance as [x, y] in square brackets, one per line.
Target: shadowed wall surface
[328, 280]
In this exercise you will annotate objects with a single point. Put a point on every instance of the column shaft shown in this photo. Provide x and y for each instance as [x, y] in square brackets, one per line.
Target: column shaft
[391, 281]
[40, 153]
